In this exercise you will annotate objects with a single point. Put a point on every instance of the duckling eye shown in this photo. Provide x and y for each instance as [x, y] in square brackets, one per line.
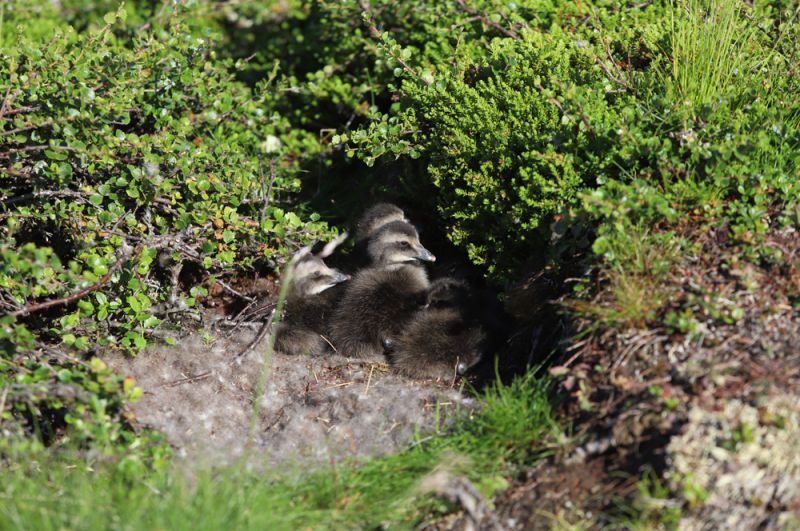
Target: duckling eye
[405, 244]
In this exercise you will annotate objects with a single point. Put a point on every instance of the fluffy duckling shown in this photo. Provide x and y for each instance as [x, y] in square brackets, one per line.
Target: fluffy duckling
[376, 217]
[441, 341]
[314, 291]
[380, 300]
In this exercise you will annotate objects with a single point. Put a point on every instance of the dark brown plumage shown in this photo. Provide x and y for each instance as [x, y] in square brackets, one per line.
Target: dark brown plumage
[376, 217]
[315, 290]
[380, 300]
[436, 343]
[442, 340]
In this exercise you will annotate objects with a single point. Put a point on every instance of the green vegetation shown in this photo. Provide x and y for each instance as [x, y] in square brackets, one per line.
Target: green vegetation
[137, 171]
[41, 491]
[151, 149]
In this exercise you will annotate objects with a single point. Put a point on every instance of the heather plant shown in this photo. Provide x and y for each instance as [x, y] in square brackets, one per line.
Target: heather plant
[512, 131]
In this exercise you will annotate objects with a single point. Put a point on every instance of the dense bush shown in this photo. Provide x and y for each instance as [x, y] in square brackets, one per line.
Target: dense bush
[511, 130]
[122, 161]
[509, 140]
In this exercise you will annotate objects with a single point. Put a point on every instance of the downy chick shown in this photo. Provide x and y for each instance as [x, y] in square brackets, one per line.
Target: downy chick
[315, 288]
[441, 341]
[380, 300]
[376, 217]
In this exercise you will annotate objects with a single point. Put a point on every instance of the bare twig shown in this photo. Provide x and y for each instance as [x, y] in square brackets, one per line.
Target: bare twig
[262, 333]
[25, 149]
[42, 194]
[619, 78]
[230, 289]
[48, 123]
[18, 110]
[326, 340]
[642, 5]
[369, 379]
[64, 356]
[189, 379]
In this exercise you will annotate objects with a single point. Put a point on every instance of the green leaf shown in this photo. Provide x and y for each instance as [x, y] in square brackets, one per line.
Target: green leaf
[151, 322]
[55, 155]
[65, 171]
[134, 303]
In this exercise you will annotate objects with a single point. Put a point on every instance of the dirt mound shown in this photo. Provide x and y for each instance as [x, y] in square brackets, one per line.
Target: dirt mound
[314, 408]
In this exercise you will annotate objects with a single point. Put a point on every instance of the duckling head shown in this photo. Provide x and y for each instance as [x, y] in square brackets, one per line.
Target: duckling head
[312, 276]
[376, 217]
[397, 243]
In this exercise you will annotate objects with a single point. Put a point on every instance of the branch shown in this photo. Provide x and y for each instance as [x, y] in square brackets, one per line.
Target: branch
[227, 287]
[127, 254]
[48, 123]
[619, 79]
[6, 201]
[7, 154]
[261, 334]
[63, 301]
[19, 110]
[190, 379]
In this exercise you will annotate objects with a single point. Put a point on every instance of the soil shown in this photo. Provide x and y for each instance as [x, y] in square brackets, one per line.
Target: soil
[704, 423]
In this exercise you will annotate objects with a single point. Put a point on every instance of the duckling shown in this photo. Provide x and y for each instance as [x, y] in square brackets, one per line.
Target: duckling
[443, 339]
[380, 299]
[437, 343]
[314, 291]
[478, 306]
[448, 292]
[376, 217]
[397, 244]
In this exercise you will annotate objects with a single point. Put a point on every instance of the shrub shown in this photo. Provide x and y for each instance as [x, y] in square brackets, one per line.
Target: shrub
[509, 140]
[121, 161]
[511, 130]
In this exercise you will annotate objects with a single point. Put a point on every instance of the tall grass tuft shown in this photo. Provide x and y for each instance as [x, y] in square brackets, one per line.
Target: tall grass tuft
[710, 45]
